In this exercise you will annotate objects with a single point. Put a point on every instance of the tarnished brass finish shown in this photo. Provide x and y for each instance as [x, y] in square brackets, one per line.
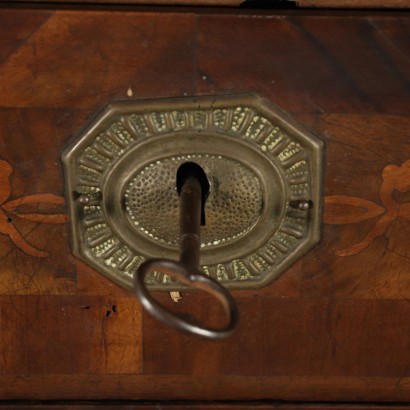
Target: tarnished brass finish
[263, 210]
[186, 270]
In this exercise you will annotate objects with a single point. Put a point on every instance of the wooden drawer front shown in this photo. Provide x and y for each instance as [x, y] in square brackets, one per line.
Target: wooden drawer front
[335, 326]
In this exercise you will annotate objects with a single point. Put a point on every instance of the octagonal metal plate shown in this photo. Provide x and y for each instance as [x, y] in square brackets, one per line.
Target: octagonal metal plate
[120, 184]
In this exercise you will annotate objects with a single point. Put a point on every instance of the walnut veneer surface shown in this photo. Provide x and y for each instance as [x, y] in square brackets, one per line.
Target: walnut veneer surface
[335, 326]
[261, 4]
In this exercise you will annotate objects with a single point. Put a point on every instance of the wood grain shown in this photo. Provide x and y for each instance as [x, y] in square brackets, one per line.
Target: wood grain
[291, 337]
[332, 328]
[372, 4]
[144, 52]
[379, 271]
[295, 62]
[69, 335]
[253, 405]
[232, 387]
[267, 4]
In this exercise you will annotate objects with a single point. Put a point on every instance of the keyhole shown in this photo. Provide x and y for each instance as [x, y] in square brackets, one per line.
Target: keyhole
[191, 169]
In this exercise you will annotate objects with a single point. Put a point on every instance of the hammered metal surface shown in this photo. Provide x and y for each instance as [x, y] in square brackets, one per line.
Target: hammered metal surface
[259, 163]
[232, 208]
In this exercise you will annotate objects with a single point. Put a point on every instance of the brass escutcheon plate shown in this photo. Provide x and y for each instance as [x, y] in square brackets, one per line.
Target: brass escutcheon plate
[263, 210]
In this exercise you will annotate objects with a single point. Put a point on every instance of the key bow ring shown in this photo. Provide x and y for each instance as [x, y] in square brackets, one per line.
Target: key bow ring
[193, 188]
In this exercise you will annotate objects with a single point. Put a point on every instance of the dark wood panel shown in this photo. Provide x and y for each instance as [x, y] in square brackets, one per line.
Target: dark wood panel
[353, 3]
[142, 55]
[334, 327]
[13, 35]
[267, 4]
[202, 406]
[291, 337]
[297, 64]
[209, 387]
[51, 335]
[366, 257]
